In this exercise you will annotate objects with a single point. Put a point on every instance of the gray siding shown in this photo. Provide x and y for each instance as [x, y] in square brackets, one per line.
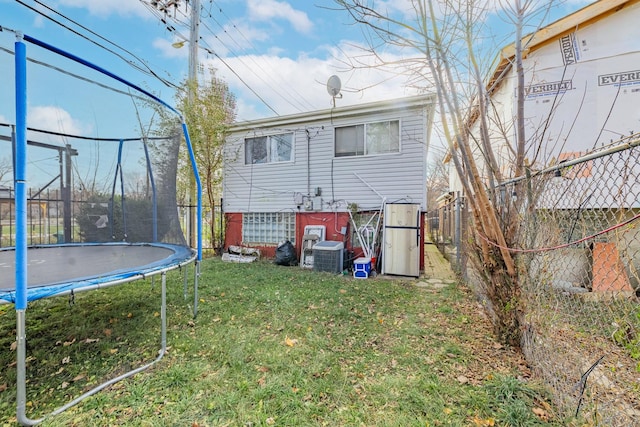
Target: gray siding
[344, 180]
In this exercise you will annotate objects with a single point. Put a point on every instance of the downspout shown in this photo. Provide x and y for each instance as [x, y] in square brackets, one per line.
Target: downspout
[308, 163]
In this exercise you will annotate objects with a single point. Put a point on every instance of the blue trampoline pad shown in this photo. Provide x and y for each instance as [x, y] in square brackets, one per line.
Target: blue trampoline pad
[56, 269]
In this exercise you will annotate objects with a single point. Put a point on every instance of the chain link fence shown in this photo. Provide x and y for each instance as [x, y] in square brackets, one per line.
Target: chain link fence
[578, 254]
[47, 214]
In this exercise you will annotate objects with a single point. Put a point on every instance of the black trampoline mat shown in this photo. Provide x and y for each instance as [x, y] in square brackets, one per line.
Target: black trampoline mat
[50, 265]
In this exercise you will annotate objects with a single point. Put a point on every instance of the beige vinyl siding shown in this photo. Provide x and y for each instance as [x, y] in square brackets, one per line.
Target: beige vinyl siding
[342, 180]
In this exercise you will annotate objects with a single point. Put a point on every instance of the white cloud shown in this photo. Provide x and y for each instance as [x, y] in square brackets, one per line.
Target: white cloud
[104, 8]
[235, 37]
[38, 21]
[267, 10]
[291, 86]
[54, 119]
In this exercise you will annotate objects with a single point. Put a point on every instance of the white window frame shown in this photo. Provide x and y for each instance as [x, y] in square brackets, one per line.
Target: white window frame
[268, 227]
[273, 148]
[363, 133]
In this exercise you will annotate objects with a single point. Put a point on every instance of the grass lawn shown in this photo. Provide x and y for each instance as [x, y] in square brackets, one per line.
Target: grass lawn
[271, 346]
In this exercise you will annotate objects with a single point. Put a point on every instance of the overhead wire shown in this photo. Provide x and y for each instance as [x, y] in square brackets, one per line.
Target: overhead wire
[76, 76]
[239, 58]
[283, 89]
[142, 61]
[144, 69]
[202, 44]
[286, 86]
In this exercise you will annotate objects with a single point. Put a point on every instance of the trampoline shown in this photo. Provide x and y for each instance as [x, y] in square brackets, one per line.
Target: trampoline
[121, 226]
[62, 269]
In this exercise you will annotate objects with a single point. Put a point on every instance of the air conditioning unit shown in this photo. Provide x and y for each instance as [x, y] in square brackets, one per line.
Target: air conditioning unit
[328, 256]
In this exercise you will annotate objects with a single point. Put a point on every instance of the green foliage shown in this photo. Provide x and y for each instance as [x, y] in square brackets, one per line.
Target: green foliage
[209, 109]
[512, 400]
[626, 335]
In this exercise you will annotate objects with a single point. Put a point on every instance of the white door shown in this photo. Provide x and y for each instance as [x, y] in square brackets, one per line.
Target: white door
[401, 235]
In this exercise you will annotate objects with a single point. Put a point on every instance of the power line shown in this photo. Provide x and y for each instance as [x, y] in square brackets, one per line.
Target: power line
[144, 69]
[288, 100]
[211, 52]
[235, 27]
[283, 87]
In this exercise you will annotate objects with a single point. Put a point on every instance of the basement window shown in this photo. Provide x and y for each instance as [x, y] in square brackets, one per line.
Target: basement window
[268, 227]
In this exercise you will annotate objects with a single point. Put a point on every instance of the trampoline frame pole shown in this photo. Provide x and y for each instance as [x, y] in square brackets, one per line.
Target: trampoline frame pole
[20, 185]
[196, 174]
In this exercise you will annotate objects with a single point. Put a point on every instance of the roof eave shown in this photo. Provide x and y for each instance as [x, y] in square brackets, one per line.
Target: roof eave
[335, 113]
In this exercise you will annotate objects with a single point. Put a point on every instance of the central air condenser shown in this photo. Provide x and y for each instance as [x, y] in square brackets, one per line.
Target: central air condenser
[328, 256]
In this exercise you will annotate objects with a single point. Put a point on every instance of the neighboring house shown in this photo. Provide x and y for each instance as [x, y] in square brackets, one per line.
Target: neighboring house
[284, 173]
[582, 89]
[582, 86]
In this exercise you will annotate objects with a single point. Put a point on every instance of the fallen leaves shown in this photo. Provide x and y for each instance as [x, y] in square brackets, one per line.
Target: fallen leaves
[462, 379]
[289, 342]
[541, 413]
[483, 422]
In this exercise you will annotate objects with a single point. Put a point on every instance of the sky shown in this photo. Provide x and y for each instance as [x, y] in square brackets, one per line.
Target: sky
[275, 55]
[276, 51]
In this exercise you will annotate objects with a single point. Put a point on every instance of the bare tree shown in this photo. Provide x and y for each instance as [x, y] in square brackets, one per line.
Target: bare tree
[441, 42]
[437, 178]
[5, 172]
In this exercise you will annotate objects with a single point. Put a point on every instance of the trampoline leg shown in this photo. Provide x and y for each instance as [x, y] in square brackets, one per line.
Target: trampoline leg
[195, 289]
[163, 318]
[186, 268]
[21, 383]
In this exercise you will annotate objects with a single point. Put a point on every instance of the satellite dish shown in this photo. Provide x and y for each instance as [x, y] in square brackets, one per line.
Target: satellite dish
[333, 87]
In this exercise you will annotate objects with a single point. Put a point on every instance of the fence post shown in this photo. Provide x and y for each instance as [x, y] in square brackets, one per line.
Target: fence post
[458, 230]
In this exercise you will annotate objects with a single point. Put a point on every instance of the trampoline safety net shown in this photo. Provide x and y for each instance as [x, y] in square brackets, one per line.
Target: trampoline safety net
[103, 164]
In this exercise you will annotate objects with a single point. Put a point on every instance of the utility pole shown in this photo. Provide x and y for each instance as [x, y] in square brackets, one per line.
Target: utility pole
[194, 37]
[192, 87]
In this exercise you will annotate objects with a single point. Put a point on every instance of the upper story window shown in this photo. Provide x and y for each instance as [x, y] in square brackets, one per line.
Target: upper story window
[367, 139]
[268, 149]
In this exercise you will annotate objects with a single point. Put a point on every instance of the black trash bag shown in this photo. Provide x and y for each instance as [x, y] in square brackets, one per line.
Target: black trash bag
[286, 254]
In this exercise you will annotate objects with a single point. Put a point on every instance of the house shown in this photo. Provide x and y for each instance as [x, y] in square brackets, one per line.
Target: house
[582, 87]
[582, 91]
[320, 168]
